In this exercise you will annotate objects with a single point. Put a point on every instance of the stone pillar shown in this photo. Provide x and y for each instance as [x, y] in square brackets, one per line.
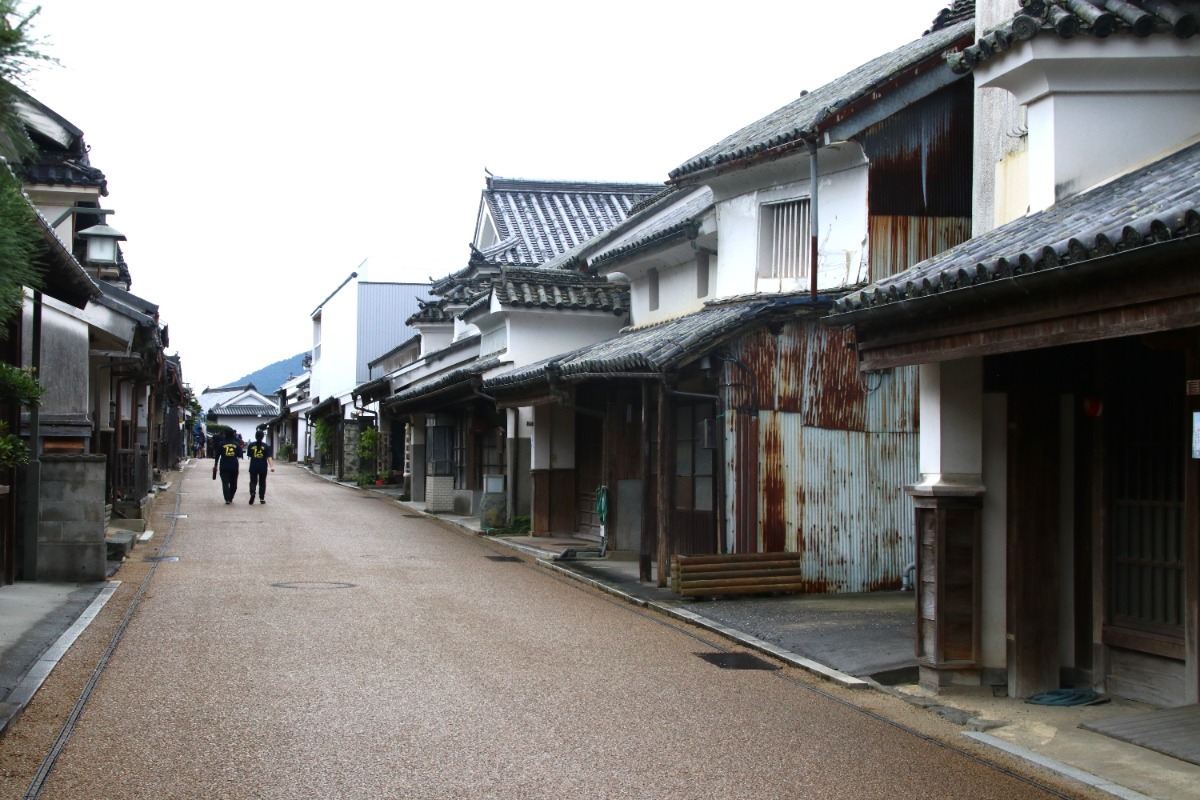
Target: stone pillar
[948, 502]
[70, 543]
[351, 433]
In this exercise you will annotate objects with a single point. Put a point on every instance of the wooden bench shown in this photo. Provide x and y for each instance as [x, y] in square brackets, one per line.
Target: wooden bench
[736, 574]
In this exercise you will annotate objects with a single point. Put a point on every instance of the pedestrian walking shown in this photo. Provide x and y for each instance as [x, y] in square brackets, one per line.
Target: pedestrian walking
[226, 456]
[261, 457]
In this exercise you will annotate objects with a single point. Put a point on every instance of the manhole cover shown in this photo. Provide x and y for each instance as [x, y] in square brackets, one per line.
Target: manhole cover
[502, 558]
[160, 559]
[737, 661]
[313, 585]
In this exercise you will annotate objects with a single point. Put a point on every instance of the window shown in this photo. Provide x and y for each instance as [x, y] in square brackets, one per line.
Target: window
[652, 288]
[785, 229]
[439, 445]
[462, 438]
[694, 460]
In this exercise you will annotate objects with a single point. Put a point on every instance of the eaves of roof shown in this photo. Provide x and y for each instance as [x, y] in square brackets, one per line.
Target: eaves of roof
[454, 383]
[657, 349]
[372, 390]
[576, 260]
[325, 407]
[1067, 19]
[682, 223]
[1155, 204]
[143, 312]
[251, 410]
[553, 290]
[409, 342]
[64, 278]
[802, 120]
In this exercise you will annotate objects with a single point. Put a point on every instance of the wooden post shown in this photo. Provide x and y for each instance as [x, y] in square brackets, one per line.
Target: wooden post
[1191, 545]
[665, 468]
[948, 589]
[645, 554]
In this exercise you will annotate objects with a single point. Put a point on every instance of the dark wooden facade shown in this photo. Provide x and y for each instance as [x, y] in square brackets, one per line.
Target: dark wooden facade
[1101, 372]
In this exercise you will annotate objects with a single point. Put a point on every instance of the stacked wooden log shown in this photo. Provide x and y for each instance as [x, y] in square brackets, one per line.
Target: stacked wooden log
[736, 574]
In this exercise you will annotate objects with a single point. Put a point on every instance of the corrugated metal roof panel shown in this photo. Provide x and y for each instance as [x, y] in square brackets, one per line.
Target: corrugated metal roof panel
[787, 126]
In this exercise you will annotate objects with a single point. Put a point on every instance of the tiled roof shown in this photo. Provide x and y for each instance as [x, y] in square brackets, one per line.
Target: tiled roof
[681, 222]
[577, 259]
[559, 289]
[446, 382]
[956, 12]
[1156, 203]
[540, 220]
[435, 310]
[785, 129]
[252, 410]
[63, 169]
[1069, 18]
[655, 348]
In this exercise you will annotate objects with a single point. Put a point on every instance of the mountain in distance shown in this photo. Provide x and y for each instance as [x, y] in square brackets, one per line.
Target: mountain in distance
[268, 379]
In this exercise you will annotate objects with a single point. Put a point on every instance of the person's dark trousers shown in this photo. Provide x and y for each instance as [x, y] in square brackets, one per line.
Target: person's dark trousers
[258, 481]
[229, 479]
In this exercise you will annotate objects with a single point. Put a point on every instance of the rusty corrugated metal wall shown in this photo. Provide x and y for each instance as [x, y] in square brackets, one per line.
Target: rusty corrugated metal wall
[835, 449]
[920, 177]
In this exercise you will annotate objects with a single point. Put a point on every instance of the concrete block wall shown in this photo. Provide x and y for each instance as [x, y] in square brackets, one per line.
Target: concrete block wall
[439, 494]
[71, 519]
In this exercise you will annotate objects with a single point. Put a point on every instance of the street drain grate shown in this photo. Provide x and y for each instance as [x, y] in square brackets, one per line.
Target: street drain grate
[413, 516]
[503, 558]
[175, 516]
[314, 585]
[737, 661]
[160, 559]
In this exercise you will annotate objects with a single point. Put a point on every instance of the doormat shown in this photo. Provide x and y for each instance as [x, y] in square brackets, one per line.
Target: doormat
[1171, 731]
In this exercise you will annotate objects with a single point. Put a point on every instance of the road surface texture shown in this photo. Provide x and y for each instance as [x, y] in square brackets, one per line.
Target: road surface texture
[332, 644]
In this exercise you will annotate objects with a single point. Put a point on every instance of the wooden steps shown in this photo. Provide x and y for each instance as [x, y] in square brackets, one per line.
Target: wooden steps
[736, 574]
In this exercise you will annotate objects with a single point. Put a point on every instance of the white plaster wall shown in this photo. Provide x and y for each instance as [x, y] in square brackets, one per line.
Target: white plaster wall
[994, 544]
[535, 335]
[1069, 152]
[1089, 101]
[434, 339]
[676, 293]
[951, 439]
[335, 372]
[737, 231]
[841, 220]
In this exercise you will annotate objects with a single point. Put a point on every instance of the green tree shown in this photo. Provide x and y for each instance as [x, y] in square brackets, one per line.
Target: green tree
[20, 239]
[19, 55]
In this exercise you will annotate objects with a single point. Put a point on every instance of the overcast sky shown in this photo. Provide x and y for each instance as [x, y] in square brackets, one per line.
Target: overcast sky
[258, 151]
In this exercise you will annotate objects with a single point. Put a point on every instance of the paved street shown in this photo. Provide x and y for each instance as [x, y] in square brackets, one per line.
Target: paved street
[331, 644]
